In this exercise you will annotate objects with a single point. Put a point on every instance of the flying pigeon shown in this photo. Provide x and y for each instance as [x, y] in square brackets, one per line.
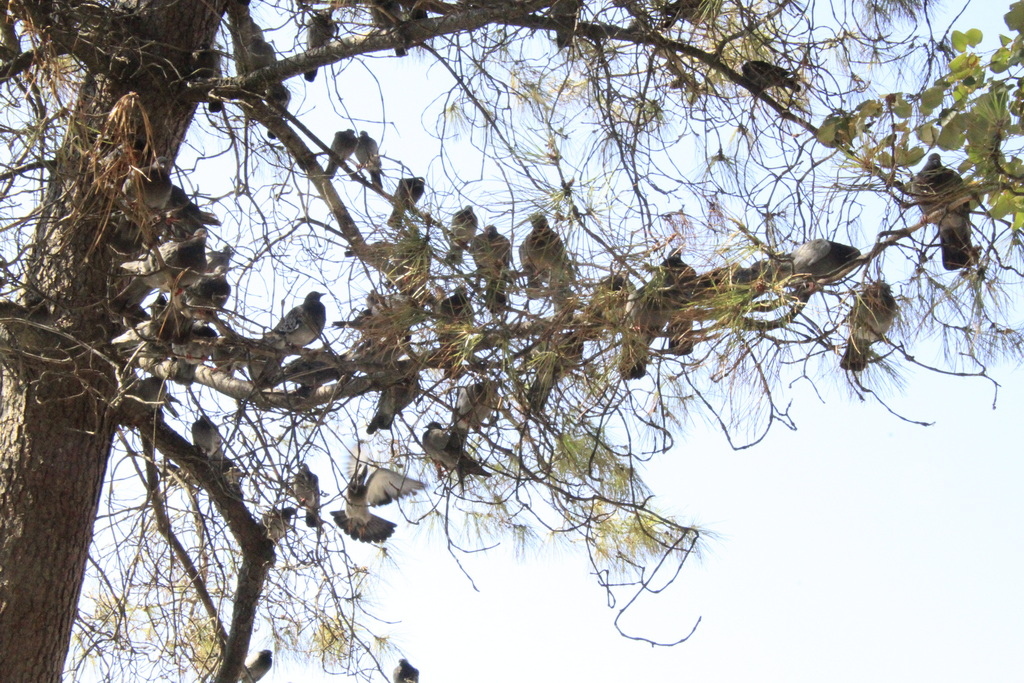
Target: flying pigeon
[150, 184]
[176, 264]
[388, 14]
[277, 522]
[344, 145]
[462, 232]
[369, 487]
[651, 308]
[406, 672]
[319, 31]
[492, 254]
[873, 314]
[408, 191]
[565, 13]
[301, 325]
[544, 259]
[448, 449]
[941, 189]
[206, 437]
[306, 487]
[257, 666]
[763, 75]
[392, 401]
[367, 153]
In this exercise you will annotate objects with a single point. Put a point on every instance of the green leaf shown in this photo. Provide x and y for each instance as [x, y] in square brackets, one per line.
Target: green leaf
[827, 131]
[952, 135]
[931, 98]
[902, 108]
[959, 41]
[911, 157]
[926, 134]
[1015, 17]
[974, 37]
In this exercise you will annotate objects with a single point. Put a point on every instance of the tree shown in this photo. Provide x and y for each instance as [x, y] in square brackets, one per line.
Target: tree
[626, 313]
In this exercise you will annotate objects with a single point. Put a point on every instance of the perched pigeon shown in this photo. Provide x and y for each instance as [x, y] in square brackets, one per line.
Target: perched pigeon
[873, 314]
[763, 75]
[463, 231]
[206, 437]
[688, 10]
[198, 346]
[565, 13]
[220, 259]
[392, 401]
[388, 14]
[310, 373]
[651, 308]
[823, 260]
[184, 216]
[448, 449]
[257, 666]
[150, 184]
[306, 487]
[343, 146]
[212, 291]
[406, 672]
[151, 393]
[369, 487]
[206, 64]
[277, 522]
[279, 95]
[408, 191]
[176, 265]
[301, 325]
[544, 259]
[941, 191]
[553, 361]
[474, 405]
[319, 31]
[492, 254]
[261, 53]
[367, 153]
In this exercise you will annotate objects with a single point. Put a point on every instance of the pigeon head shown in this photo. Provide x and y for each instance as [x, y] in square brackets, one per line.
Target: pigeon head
[434, 425]
[313, 298]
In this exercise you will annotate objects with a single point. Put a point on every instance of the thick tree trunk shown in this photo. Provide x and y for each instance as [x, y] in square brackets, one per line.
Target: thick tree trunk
[57, 422]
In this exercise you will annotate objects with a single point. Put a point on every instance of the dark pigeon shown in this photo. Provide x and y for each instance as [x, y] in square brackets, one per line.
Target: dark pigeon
[300, 326]
[651, 308]
[206, 437]
[763, 75]
[306, 487]
[343, 146]
[492, 254]
[407, 193]
[150, 184]
[943, 199]
[367, 153]
[545, 260]
[873, 314]
[406, 672]
[257, 666]
[277, 522]
[462, 232]
[319, 31]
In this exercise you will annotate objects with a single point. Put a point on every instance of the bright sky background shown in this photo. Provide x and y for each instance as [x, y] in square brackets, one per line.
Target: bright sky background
[859, 547]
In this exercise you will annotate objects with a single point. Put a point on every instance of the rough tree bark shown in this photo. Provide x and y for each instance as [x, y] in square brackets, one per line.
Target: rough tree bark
[56, 398]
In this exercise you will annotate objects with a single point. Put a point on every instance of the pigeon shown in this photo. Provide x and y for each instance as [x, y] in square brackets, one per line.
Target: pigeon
[492, 254]
[257, 666]
[184, 216]
[408, 191]
[454, 313]
[319, 31]
[150, 184]
[206, 437]
[763, 75]
[544, 259]
[873, 314]
[306, 487]
[219, 260]
[367, 153]
[462, 232]
[310, 373]
[176, 264]
[448, 450]
[823, 260]
[474, 405]
[261, 53]
[565, 13]
[206, 64]
[552, 363]
[197, 346]
[301, 325]
[688, 10]
[279, 95]
[651, 308]
[151, 394]
[388, 14]
[211, 292]
[406, 672]
[392, 401]
[343, 146]
[938, 187]
[277, 522]
[369, 487]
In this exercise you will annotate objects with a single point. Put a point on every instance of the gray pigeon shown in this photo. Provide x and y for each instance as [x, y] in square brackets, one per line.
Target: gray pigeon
[392, 401]
[257, 666]
[763, 75]
[544, 260]
[369, 487]
[406, 672]
[211, 292]
[319, 31]
[823, 259]
[448, 450]
[651, 308]
[388, 14]
[463, 230]
[344, 145]
[184, 216]
[311, 372]
[206, 64]
[306, 487]
[688, 10]
[367, 153]
[492, 254]
[408, 192]
[300, 326]
[474, 405]
[941, 189]
[176, 264]
[261, 53]
[278, 95]
[206, 437]
[873, 314]
[277, 522]
[150, 184]
[150, 393]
